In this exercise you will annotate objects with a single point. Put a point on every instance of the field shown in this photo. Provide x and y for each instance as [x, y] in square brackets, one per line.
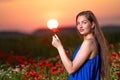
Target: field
[32, 57]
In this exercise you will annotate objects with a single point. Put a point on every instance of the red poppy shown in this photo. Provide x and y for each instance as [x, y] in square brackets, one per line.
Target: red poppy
[49, 65]
[62, 70]
[55, 30]
[43, 62]
[32, 74]
[54, 70]
[31, 61]
[2, 55]
[58, 64]
[118, 74]
[115, 55]
[25, 78]
[21, 59]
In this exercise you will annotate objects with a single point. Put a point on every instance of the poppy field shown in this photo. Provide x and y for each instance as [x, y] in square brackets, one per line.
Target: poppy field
[32, 57]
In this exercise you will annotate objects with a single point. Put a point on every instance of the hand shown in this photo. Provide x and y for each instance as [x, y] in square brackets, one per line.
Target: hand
[56, 41]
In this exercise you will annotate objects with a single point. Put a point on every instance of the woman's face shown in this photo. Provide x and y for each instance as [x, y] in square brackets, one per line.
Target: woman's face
[83, 25]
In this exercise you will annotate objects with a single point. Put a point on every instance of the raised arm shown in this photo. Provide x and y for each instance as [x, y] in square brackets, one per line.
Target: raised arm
[81, 57]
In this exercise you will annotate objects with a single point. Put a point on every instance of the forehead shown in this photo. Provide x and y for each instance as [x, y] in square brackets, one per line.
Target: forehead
[82, 18]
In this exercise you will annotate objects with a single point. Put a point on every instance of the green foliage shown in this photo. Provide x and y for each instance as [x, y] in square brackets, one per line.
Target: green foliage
[43, 69]
[36, 45]
[31, 49]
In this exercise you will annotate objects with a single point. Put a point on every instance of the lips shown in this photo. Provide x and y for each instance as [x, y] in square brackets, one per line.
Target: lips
[81, 30]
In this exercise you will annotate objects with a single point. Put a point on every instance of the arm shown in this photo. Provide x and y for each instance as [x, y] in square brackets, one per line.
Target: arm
[83, 54]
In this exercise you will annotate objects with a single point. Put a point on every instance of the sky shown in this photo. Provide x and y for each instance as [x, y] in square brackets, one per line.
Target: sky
[30, 15]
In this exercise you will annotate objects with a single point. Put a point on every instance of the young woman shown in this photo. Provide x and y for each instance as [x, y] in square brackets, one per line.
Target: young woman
[89, 59]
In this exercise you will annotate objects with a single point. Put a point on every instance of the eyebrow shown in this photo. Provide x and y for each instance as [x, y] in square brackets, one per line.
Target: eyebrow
[83, 20]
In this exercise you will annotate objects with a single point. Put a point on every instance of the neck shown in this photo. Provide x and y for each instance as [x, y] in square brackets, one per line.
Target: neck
[89, 36]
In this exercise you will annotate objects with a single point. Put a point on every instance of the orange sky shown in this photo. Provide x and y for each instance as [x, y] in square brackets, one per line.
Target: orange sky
[29, 15]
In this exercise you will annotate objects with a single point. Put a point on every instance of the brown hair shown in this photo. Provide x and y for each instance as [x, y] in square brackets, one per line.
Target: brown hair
[105, 71]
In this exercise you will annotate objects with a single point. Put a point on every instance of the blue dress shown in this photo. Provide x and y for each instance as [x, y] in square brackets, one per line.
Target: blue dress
[90, 70]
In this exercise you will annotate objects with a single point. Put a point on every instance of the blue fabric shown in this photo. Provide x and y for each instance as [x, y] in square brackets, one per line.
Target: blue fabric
[90, 70]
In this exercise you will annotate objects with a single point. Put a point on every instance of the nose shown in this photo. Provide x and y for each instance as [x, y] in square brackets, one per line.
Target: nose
[79, 26]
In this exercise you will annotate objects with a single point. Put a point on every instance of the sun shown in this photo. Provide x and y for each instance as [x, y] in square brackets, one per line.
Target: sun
[52, 23]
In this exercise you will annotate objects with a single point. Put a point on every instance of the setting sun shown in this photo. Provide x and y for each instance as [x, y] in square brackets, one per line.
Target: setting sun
[52, 23]
[29, 15]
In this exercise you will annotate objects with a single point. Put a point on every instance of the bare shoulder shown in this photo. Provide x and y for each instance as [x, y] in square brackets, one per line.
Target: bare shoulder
[88, 42]
[91, 44]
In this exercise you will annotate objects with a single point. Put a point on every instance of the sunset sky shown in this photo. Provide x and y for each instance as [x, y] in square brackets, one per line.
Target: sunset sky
[29, 15]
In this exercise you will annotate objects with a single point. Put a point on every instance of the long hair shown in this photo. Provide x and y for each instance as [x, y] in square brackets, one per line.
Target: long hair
[105, 71]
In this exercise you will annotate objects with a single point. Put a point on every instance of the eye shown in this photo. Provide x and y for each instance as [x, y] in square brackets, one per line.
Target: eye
[84, 22]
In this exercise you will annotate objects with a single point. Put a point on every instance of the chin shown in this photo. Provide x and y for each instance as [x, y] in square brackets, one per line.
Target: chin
[82, 33]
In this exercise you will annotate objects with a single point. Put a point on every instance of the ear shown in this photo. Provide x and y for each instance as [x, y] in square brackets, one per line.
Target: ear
[93, 25]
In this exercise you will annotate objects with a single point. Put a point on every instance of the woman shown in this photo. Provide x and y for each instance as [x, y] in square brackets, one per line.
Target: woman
[89, 59]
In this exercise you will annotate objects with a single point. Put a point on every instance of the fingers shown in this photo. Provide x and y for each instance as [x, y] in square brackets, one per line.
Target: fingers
[56, 37]
[55, 40]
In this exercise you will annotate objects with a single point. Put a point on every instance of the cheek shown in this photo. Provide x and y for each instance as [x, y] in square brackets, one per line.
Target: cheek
[88, 28]
[77, 27]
